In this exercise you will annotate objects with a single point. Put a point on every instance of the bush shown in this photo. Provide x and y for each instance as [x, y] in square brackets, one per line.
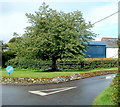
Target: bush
[28, 63]
[7, 55]
[89, 63]
[100, 63]
[85, 64]
[115, 94]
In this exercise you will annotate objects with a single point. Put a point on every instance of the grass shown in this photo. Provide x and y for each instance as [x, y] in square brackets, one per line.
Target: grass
[90, 70]
[104, 98]
[29, 73]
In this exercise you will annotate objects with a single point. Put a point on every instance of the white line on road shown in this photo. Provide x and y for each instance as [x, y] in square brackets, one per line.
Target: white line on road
[57, 90]
[109, 77]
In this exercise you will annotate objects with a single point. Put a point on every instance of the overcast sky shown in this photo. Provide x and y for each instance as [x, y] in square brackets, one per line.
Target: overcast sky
[13, 19]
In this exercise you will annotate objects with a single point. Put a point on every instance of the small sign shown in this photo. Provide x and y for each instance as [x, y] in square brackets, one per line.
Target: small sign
[9, 69]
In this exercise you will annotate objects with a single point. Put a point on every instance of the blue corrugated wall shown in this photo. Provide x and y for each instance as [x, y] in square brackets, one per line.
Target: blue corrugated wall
[96, 51]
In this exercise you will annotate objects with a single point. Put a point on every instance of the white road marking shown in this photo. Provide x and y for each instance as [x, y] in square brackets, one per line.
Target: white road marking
[109, 77]
[57, 90]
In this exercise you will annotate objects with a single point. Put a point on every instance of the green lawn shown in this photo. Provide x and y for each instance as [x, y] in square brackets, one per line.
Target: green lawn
[38, 73]
[104, 98]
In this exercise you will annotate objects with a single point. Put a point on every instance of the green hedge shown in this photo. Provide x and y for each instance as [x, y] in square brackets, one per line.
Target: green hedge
[115, 95]
[100, 63]
[28, 63]
[88, 63]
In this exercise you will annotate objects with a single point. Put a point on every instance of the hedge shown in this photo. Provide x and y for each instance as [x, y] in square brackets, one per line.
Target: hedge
[28, 63]
[115, 95]
[87, 63]
[100, 63]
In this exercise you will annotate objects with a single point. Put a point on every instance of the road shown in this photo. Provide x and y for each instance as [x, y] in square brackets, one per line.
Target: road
[79, 92]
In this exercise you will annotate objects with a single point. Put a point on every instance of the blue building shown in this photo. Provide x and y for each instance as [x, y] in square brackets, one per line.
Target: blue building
[96, 49]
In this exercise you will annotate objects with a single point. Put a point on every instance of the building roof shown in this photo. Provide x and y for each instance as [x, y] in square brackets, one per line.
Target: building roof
[97, 43]
[111, 42]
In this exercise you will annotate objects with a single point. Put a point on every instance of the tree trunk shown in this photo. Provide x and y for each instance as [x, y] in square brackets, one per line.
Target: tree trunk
[54, 66]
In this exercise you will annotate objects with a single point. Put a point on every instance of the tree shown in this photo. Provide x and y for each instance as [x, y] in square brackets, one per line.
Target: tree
[7, 55]
[15, 38]
[54, 35]
[3, 46]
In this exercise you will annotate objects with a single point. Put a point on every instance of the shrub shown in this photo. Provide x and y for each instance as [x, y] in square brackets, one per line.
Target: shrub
[90, 63]
[28, 63]
[115, 94]
[100, 63]
[85, 64]
[7, 55]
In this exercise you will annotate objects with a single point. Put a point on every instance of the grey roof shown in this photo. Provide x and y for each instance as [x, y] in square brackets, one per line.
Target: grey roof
[97, 43]
[111, 42]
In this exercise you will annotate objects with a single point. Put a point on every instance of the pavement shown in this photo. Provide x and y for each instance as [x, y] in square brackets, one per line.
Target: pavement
[78, 92]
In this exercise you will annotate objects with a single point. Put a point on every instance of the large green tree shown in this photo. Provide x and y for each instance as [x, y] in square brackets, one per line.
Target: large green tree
[54, 35]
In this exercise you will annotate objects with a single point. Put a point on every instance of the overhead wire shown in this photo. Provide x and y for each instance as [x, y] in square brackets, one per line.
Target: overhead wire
[106, 17]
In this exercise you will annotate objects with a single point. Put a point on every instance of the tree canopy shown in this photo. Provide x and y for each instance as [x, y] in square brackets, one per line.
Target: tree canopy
[54, 35]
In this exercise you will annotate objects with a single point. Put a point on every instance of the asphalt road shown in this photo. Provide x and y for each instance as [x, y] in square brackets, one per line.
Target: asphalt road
[83, 92]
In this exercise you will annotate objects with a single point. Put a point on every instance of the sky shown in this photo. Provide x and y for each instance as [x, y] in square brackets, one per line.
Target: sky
[13, 19]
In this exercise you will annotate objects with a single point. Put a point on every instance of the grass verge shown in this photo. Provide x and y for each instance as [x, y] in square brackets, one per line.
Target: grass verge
[28, 73]
[104, 98]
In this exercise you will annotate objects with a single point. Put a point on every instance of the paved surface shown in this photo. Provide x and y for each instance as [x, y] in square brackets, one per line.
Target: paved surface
[83, 93]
